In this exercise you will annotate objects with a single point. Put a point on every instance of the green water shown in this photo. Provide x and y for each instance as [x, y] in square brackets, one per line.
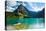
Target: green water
[11, 21]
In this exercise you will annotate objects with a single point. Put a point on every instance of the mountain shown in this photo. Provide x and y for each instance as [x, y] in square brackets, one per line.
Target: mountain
[23, 10]
[40, 14]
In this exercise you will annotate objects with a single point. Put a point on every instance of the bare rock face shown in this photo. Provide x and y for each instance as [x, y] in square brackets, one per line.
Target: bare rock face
[21, 10]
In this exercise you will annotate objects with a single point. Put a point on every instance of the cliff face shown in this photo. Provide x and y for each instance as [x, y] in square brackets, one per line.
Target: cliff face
[21, 10]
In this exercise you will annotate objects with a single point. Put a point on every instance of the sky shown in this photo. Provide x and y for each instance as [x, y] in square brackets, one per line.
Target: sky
[31, 6]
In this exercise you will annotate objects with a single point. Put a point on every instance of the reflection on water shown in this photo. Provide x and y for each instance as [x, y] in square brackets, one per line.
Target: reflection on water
[25, 23]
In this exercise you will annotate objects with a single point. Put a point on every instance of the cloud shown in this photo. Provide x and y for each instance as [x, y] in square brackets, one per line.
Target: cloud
[36, 9]
[10, 9]
[31, 6]
[11, 3]
[35, 6]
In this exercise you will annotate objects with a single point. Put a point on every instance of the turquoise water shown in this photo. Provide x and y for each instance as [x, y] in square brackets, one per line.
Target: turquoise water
[11, 21]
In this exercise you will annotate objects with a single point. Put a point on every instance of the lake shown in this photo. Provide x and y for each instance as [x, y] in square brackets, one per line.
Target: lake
[30, 22]
[25, 20]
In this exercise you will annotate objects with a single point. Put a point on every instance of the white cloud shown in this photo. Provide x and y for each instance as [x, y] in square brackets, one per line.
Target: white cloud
[28, 0]
[30, 6]
[37, 9]
[11, 3]
[10, 9]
